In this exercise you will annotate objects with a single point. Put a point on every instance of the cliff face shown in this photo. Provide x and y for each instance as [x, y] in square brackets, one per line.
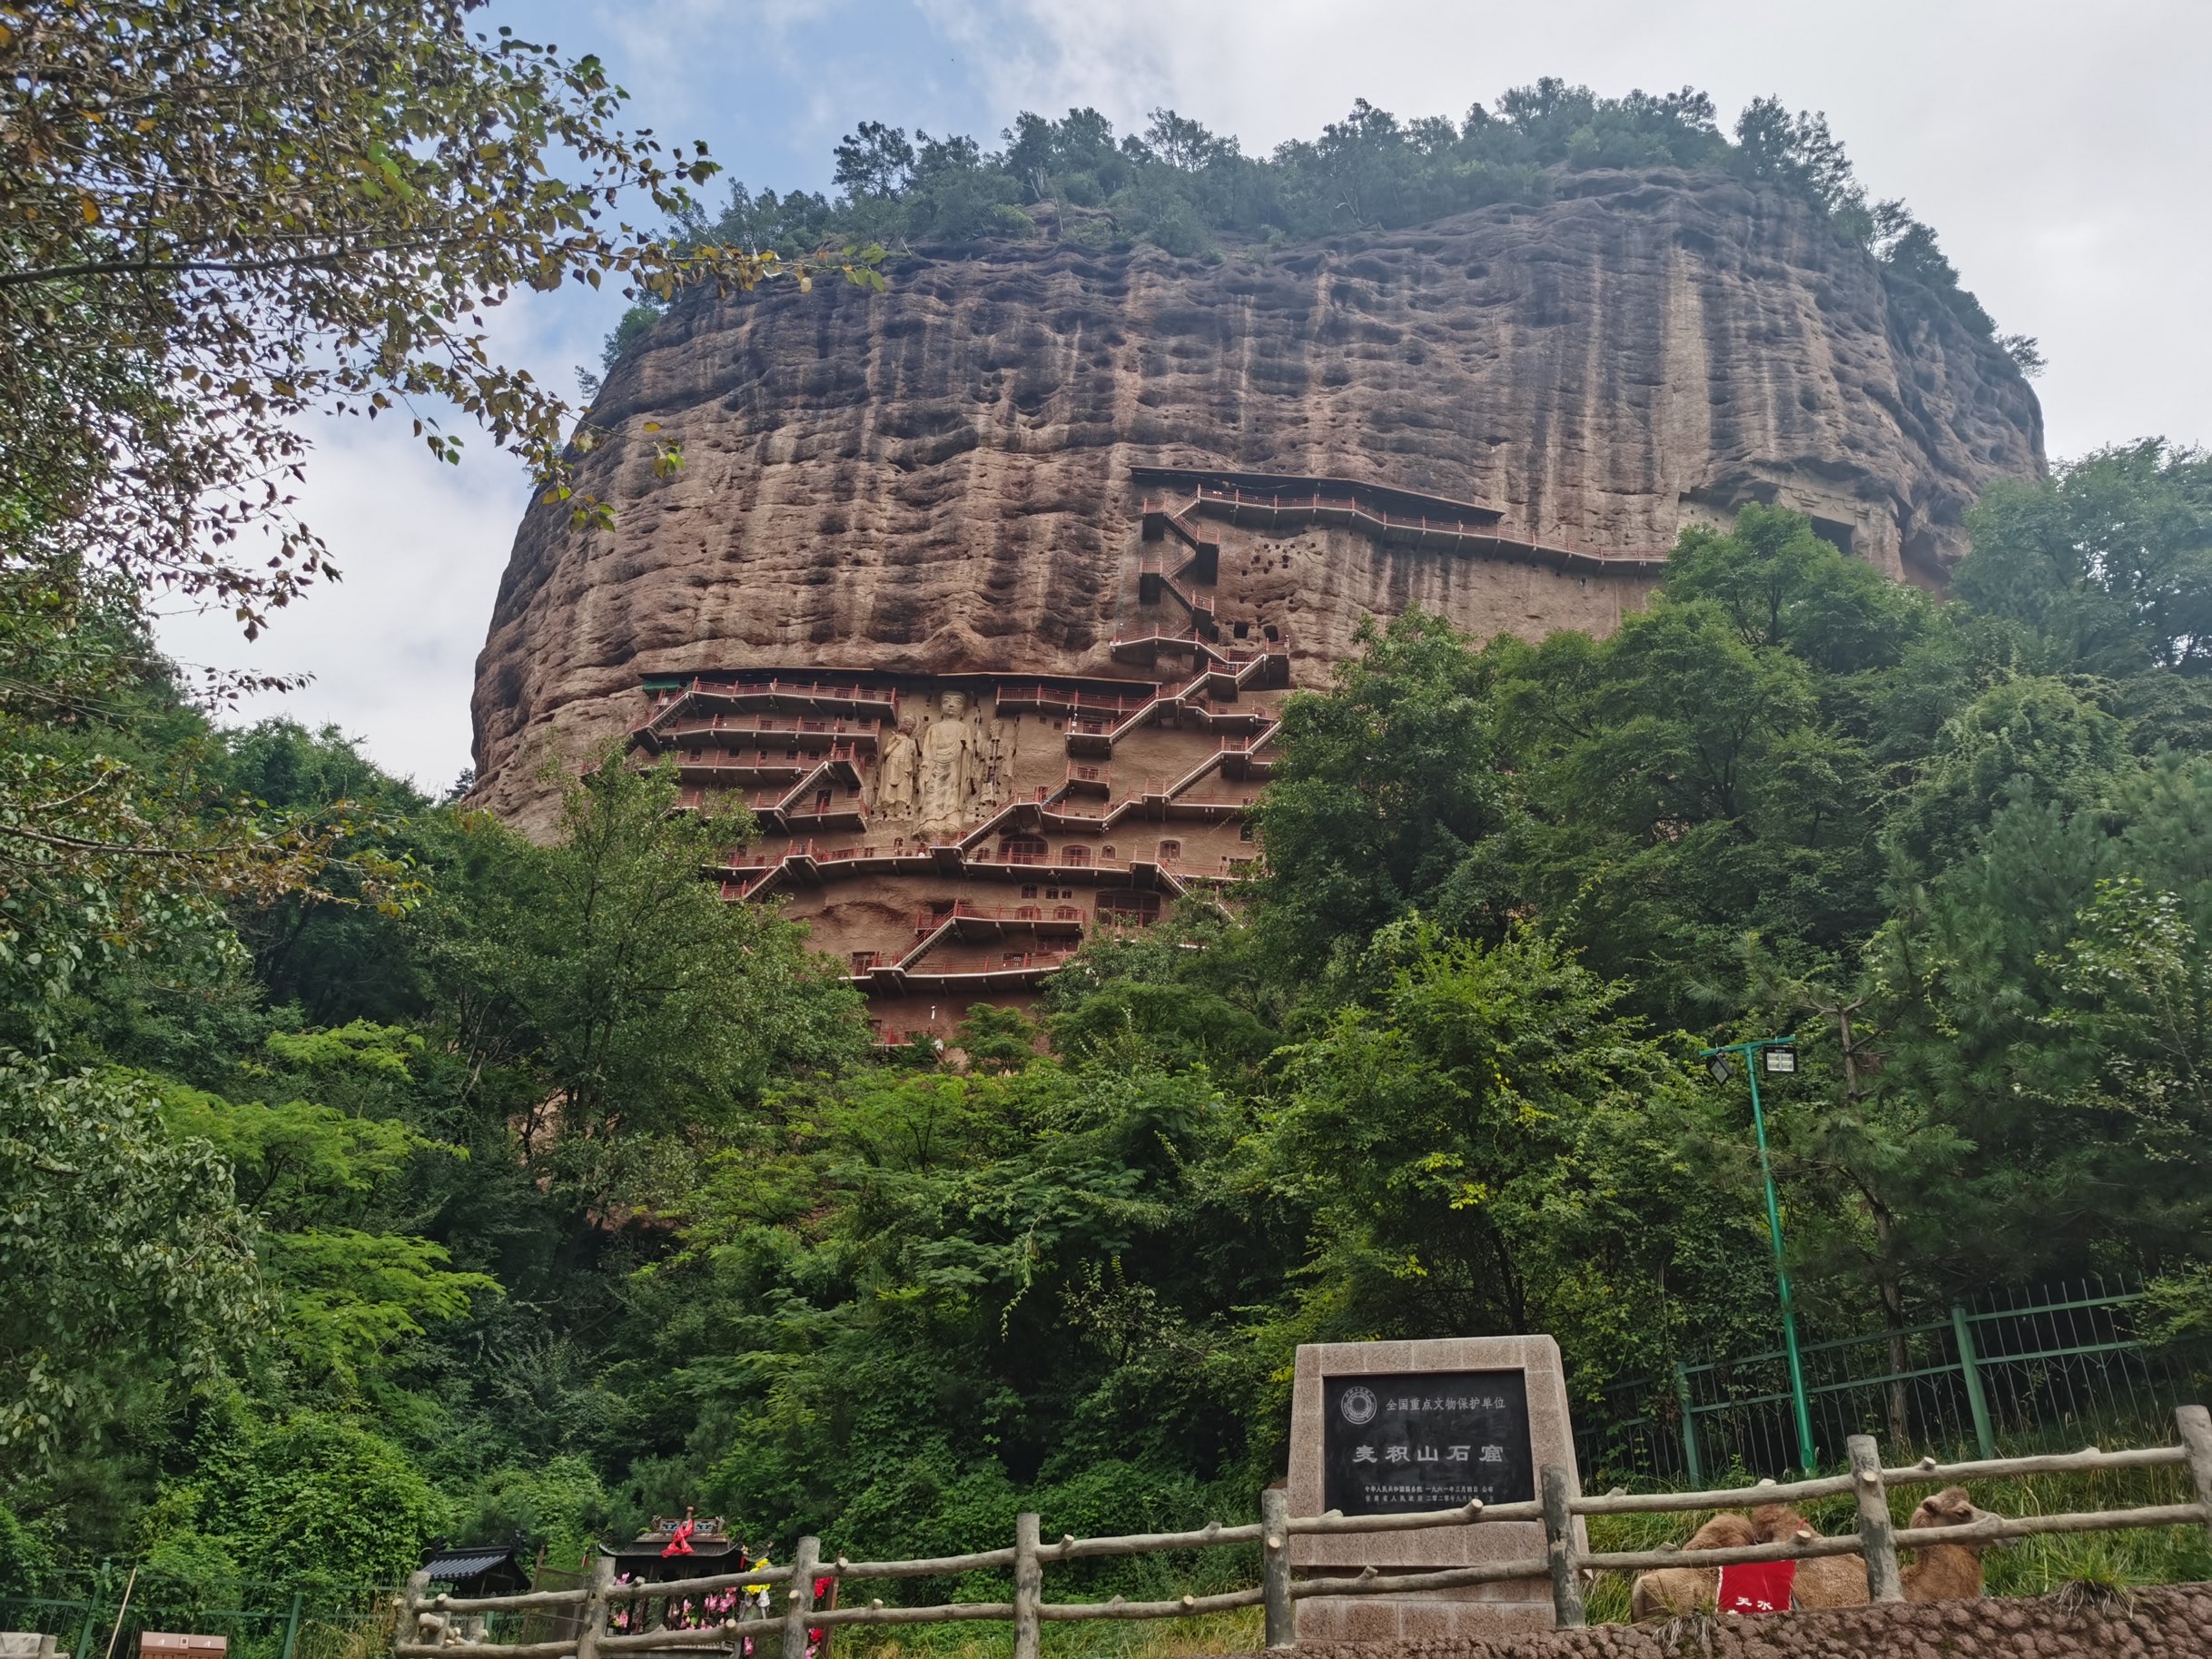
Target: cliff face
[938, 479]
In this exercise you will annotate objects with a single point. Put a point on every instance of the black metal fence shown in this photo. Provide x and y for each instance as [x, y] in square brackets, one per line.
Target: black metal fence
[2011, 1372]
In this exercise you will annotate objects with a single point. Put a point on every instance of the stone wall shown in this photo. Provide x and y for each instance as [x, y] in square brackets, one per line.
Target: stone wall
[2173, 1622]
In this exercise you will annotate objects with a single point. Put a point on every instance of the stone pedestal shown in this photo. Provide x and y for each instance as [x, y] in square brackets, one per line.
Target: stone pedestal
[1389, 1404]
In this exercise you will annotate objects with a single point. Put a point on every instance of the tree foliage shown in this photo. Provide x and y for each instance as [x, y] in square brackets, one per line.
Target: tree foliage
[2112, 564]
[125, 1253]
[1491, 1146]
[222, 216]
[635, 1001]
[570, 1194]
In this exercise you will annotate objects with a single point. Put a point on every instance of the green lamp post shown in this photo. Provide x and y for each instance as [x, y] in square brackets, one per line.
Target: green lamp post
[1779, 1055]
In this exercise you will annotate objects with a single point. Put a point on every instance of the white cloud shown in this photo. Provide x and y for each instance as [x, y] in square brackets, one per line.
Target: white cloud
[392, 647]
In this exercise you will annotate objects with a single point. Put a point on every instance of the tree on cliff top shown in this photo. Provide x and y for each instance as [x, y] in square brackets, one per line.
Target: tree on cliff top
[1176, 184]
[1177, 187]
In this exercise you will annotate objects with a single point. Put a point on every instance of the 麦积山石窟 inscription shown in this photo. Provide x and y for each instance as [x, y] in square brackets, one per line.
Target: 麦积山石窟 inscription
[1411, 1427]
[1429, 1440]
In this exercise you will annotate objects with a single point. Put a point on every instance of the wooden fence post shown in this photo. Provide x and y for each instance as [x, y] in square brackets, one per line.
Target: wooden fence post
[2196, 1425]
[591, 1622]
[410, 1610]
[800, 1601]
[1028, 1588]
[1877, 1538]
[1559, 1547]
[1274, 1567]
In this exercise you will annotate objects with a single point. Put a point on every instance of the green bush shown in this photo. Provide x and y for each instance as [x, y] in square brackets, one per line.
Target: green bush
[562, 1506]
[315, 1499]
[24, 1559]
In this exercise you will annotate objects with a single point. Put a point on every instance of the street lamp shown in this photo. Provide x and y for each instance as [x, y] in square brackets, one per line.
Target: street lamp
[1779, 1056]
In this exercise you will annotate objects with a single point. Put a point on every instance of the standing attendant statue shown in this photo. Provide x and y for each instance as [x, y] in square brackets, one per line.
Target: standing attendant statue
[992, 788]
[894, 786]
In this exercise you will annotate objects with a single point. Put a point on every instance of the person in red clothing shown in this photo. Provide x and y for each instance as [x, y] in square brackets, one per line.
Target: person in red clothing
[679, 1541]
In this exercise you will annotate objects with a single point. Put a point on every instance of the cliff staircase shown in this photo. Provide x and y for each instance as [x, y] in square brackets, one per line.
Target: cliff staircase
[1201, 563]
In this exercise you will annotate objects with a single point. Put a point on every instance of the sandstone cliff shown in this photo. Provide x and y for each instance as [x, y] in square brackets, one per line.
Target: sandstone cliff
[938, 479]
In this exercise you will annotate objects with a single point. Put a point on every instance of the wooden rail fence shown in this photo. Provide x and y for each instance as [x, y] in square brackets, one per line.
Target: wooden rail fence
[607, 1604]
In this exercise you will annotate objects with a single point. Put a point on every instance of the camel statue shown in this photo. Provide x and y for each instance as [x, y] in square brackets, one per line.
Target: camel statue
[1677, 1592]
[1825, 1581]
[1945, 1572]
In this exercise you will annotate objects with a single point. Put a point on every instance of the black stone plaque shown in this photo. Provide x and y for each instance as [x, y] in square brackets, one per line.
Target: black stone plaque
[1392, 1445]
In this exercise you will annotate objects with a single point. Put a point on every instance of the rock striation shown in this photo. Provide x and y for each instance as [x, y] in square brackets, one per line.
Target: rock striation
[938, 478]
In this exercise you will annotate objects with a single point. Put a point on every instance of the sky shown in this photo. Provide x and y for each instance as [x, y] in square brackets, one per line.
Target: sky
[2062, 151]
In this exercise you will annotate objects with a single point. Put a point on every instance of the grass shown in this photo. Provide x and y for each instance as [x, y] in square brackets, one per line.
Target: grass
[369, 1638]
[2123, 1560]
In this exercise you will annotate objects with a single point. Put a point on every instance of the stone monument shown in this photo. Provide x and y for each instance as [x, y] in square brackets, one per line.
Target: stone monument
[1398, 1427]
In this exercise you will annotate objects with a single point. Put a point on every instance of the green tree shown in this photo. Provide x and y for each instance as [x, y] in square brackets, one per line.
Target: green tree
[1193, 989]
[1784, 589]
[310, 1500]
[2133, 990]
[338, 948]
[638, 1001]
[320, 1183]
[2036, 999]
[2023, 742]
[560, 1505]
[907, 1277]
[876, 161]
[1388, 789]
[25, 1558]
[1494, 1147]
[2110, 562]
[221, 218]
[117, 839]
[1681, 786]
[126, 1257]
[217, 219]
